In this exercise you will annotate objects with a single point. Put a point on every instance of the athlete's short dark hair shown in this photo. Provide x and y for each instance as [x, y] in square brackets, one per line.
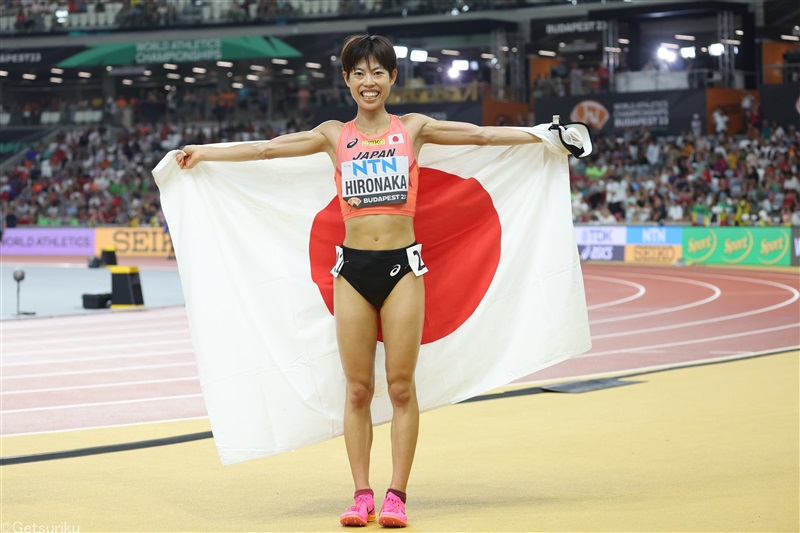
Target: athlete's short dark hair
[364, 46]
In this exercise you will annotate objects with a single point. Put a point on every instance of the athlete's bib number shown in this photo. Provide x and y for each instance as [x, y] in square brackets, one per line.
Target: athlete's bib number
[415, 259]
[339, 262]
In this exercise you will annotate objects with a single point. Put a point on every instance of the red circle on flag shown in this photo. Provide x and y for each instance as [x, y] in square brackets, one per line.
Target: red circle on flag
[459, 230]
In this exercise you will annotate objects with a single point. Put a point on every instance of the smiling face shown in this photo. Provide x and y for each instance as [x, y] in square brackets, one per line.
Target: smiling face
[370, 83]
[369, 68]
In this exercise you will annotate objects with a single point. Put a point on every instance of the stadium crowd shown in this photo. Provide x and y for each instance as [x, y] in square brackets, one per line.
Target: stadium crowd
[748, 179]
[101, 174]
[37, 16]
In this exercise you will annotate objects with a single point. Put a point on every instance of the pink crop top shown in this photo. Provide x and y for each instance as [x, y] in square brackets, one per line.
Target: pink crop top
[376, 175]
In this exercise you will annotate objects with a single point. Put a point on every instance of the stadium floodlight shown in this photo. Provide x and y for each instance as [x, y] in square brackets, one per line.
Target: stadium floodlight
[453, 73]
[716, 49]
[418, 56]
[688, 52]
[461, 64]
[224, 64]
[666, 54]
[401, 51]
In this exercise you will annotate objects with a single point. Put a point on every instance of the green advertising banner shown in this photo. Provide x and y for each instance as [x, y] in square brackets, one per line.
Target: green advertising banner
[182, 51]
[738, 245]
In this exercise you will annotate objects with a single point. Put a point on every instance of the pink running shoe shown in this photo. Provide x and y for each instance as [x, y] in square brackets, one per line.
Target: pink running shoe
[393, 512]
[362, 512]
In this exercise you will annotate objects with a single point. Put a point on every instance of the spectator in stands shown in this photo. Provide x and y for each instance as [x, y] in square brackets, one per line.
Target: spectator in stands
[720, 121]
[659, 211]
[697, 125]
[602, 77]
[616, 194]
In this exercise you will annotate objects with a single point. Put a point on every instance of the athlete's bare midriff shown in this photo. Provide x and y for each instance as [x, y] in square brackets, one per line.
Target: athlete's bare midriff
[379, 232]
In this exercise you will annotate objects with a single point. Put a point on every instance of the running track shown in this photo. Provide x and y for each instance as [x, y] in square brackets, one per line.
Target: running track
[127, 368]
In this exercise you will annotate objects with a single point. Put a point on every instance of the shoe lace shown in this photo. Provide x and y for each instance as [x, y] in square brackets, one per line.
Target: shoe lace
[393, 504]
[361, 501]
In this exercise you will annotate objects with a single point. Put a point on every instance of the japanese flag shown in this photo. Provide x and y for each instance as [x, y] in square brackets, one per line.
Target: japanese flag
[255, 243]
[396, 138]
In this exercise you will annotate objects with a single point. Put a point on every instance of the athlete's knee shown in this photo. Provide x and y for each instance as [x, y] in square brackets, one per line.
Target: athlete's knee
[359, 395]
[401, 392]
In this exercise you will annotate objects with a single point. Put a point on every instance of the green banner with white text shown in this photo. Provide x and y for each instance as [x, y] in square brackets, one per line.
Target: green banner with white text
[764, 246]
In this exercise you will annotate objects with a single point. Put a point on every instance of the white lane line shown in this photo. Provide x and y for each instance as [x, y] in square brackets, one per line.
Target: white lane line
[640, 290]
[99, 404]
[125, 332]
[105, 347]
[60, 325]
[96, 371]
[716, 292]
[139, 355]
[654, 368]
[110, 426]
[696, 341]
[102, 385]
[794, 298]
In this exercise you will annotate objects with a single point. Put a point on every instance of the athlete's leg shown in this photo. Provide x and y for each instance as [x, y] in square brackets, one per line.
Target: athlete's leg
[402, 316]
[357, 336]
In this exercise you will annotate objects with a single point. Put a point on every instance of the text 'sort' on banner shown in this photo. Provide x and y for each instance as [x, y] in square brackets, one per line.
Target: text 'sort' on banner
[738, 246]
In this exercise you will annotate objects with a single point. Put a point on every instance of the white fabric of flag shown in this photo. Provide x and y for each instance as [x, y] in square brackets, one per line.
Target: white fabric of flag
[264, 337]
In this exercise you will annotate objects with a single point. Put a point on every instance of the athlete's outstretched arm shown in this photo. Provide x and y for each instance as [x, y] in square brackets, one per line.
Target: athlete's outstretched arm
[449, 132]
[289, 145]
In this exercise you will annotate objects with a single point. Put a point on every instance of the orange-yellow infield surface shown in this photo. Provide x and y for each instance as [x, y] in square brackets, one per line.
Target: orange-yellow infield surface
[704, 448]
